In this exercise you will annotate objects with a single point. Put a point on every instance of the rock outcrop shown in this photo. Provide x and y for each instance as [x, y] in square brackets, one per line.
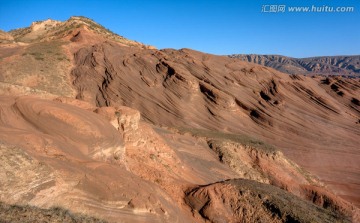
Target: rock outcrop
[249, 201]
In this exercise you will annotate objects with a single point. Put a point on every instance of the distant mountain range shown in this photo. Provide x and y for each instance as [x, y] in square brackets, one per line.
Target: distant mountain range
[327, 65]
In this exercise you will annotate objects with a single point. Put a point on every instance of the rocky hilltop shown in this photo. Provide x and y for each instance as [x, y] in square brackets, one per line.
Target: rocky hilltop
[334, 65]
[52, 29]
[98, 128]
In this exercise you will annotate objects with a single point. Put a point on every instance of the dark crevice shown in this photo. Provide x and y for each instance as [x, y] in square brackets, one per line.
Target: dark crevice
[264, 96]
[207, 92]
[355, 101]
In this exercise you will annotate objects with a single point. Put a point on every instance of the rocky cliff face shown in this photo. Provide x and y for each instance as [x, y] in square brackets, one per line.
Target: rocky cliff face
[110, 128]
[335, 65]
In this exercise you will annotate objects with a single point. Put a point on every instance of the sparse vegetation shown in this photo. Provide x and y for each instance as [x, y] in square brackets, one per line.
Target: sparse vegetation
[44, 49]
[152, 156]
[46, 65]
[31, 214]
[58, 30]
[37, 55]
[19, 33]
[95, 26]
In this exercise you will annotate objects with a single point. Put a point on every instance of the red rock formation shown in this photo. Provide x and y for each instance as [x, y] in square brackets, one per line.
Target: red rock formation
[308, 121]
[152, 126]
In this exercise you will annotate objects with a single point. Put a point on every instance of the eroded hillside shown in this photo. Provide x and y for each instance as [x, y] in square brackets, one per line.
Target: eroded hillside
[185, 88]
[110, 128]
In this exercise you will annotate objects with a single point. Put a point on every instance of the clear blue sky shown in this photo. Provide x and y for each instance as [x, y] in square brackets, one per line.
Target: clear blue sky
[218, 27]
